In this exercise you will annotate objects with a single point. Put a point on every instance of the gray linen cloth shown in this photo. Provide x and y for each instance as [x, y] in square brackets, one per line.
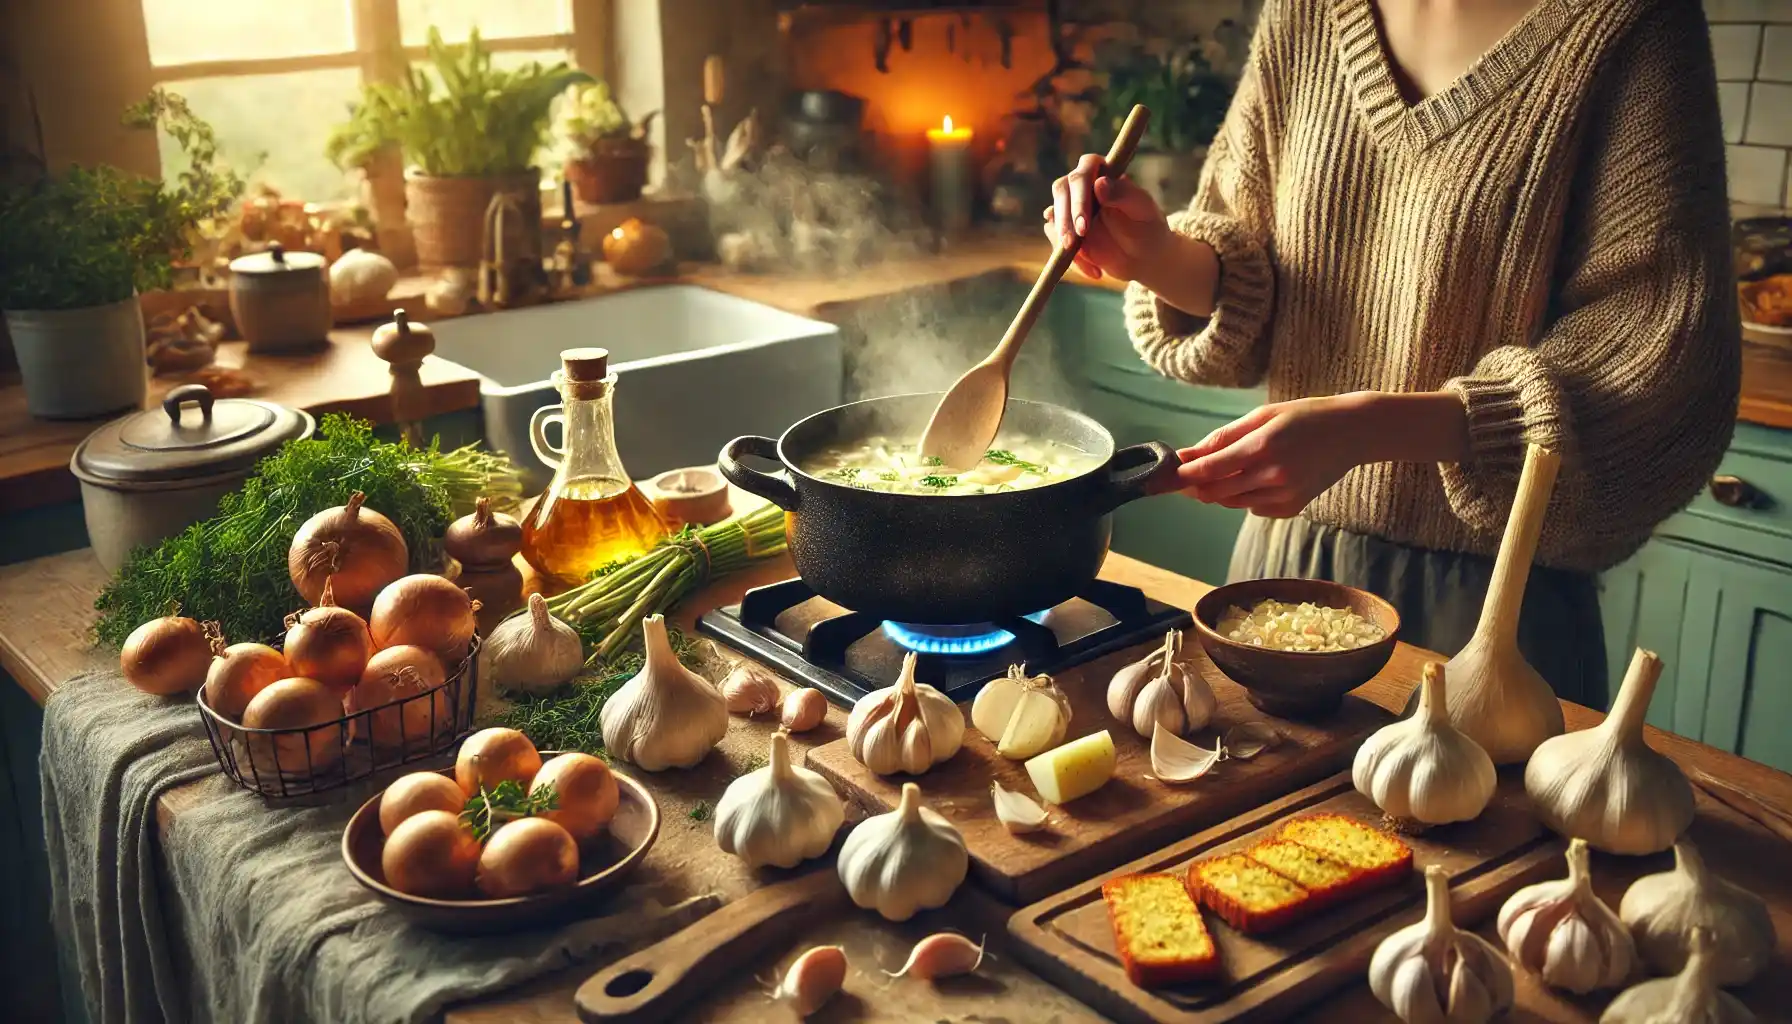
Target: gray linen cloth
[273, 926]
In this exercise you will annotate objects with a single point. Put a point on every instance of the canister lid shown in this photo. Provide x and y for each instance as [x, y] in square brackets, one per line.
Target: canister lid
[192, 436]
[276, 260]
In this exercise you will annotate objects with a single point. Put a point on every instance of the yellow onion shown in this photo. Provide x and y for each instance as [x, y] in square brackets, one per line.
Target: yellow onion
[426, 611]
[527, 856]
[394, 674]
[166, 656]
[357, 546]
[415, 793]
[491, 756]
[238, 673]
[297, 704]
[328, 643]
[585, 793]
[430, 854]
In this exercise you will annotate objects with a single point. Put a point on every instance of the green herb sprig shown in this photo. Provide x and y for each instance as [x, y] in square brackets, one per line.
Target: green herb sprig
[1002, 457]
[935, 480]
[489, 810]
[566, 718]
[701, 811]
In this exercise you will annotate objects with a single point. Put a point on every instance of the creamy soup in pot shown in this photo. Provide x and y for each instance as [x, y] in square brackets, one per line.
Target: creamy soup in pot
[886, 464]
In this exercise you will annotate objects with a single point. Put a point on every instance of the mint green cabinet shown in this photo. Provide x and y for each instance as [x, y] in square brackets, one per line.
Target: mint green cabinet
[1744, 607]
[1643, 603]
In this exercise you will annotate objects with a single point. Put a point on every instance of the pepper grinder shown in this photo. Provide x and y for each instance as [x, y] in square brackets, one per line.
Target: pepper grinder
[404, 345]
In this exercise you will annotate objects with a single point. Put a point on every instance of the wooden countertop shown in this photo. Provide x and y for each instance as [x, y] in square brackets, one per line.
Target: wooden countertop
[46, 608]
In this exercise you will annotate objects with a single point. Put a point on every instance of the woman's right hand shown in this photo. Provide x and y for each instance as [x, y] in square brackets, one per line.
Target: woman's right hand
[1118, 221]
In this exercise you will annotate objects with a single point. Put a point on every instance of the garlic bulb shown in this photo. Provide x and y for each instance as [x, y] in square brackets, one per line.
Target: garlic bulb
[533, 651]
[908, 860]
[1018, 812]
[781, 814]
[1422, 768]
[908, 727]
[1561, 932]
[749, 690]
[1662, 911]
[1159, 689]
[1496, 697]
[666, 716]
[1431, 973]
[1690, 998]
[361, 276]
[1023, 715]
[1605, 785]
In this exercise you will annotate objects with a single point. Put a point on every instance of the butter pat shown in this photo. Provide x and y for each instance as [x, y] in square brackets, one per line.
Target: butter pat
[1075, 769]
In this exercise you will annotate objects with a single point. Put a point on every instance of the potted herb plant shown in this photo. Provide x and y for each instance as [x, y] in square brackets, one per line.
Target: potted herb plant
[1187, 98]
[76, 249]
[468, 130]
[607, 155]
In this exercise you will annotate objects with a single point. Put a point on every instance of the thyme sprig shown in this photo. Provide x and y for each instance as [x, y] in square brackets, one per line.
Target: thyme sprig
[489, 810]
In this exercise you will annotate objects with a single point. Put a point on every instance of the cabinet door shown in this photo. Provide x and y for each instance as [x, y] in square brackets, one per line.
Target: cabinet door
[1748, 702]
[1643, 604]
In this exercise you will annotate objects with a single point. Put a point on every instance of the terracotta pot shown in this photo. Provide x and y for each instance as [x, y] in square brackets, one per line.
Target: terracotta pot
[614, 172]
[447, 216]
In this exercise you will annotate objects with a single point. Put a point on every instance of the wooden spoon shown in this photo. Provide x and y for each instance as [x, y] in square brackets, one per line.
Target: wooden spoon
[965, 422]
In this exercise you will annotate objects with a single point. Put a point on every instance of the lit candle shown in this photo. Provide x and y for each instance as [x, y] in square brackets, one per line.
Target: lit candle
[952, 181]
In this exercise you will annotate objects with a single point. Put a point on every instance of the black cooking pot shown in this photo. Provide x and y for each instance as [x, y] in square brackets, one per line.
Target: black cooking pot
[947, 559]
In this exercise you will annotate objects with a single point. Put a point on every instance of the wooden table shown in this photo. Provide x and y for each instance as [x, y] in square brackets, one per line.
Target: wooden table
[45, 609]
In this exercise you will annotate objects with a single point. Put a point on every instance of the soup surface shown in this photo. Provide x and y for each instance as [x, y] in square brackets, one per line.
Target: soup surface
[886, 464]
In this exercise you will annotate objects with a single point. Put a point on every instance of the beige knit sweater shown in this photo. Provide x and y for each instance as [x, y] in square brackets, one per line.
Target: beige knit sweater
[1547, 238]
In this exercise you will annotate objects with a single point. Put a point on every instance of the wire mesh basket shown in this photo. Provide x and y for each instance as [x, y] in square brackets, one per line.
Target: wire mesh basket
[282, 764]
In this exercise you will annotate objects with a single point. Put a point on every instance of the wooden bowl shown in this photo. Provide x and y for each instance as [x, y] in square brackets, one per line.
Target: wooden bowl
[601, 868]
[1295, 684]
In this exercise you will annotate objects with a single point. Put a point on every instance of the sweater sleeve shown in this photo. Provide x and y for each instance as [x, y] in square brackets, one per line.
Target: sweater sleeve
[1231, 212]
[1635, 377]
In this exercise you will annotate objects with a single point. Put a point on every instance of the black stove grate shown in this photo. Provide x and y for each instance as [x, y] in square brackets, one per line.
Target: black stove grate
[847, 654]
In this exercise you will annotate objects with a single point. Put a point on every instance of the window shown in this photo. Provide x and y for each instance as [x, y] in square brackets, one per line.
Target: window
[274, 76]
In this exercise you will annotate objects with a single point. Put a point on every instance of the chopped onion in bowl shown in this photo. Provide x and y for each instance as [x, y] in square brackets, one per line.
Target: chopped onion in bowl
[1305, 627]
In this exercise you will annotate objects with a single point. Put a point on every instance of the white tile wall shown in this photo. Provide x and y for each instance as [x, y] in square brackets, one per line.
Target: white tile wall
[1749, 10]
[1757, 174]
[1732, 98]
[1751, 44]
[1776, 54]
[1769, 115]
[1737, 48]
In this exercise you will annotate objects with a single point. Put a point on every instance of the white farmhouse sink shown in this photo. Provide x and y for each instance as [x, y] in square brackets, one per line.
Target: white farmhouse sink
[695, 368]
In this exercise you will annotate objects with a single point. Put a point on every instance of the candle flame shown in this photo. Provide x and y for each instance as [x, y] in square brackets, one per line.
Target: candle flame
[948, 124]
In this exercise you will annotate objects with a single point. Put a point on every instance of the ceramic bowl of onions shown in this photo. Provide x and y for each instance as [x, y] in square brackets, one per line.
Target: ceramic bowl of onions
[507, 838]
[1297, 646]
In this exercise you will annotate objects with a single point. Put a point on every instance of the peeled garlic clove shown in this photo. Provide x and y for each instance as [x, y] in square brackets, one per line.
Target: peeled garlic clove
[750, 690]
[1248, 739]
[942, 955]
[1176, 760]
[1017, 812]
[804, 709]
[813, 979]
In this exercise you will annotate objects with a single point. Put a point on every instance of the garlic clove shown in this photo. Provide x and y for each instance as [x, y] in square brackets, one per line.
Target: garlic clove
[1038, 724]
[942, 955]
[1018, 812]
[1176, 760]
[804, 709]
[1248, 739]
[813, 979]
[749, 689]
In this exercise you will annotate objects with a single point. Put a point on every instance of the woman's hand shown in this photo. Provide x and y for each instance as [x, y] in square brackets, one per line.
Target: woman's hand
[1119, 237]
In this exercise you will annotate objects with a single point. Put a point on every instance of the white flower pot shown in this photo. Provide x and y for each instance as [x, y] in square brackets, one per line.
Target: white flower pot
[80, 363]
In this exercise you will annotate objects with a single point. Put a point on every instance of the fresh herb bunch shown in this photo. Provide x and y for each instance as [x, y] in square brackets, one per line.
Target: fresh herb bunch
[1187, 96]
[566, 718]
[89, 236]
[232, 568]
[468, 119]
[489, 810]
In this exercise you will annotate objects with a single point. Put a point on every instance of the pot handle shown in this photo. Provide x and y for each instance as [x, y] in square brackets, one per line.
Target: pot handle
[197, 394]
[776, 488]
[1139, 470]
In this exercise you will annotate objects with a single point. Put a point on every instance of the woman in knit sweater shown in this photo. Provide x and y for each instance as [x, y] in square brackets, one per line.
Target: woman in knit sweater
[1436, 232]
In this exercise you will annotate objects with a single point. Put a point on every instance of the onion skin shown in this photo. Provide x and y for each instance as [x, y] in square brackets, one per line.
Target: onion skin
[355, 548]
[412, 794]
[430, 854]
[393, 674]
[166, 656]
[491, 756]
[527, 856]
[240, 672]
[329, 643]
[296, 703]
[586, 793]
[428, 612]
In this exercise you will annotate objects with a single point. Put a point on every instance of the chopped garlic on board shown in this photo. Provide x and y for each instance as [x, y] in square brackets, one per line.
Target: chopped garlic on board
[1298, 627]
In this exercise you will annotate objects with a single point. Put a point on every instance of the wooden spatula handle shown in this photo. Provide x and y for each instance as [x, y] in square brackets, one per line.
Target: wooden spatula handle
[653, 983]
[1119, 156]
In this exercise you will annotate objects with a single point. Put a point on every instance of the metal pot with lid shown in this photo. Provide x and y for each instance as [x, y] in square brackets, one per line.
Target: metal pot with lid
[152, 474]
[280, 299]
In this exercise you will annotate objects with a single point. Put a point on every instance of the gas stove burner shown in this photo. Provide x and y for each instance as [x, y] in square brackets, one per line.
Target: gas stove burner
[980, 638]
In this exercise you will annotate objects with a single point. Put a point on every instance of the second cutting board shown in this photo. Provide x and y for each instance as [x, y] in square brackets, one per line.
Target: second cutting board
[1134, 812]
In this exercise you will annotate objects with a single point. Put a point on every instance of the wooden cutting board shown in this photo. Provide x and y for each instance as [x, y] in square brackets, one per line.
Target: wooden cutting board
[1130, 815]
[1067, 938]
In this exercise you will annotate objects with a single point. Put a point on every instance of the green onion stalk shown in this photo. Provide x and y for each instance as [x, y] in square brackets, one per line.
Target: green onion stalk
[613, 602]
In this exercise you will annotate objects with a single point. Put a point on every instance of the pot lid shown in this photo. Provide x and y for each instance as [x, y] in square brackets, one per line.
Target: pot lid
[276, 260]
[192, 435]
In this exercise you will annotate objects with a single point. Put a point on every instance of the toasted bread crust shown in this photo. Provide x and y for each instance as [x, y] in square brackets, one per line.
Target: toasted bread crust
[1215, 883]
[1134, 901]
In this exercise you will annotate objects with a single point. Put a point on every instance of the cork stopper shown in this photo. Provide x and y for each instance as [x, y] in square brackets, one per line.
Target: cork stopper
[585, 365]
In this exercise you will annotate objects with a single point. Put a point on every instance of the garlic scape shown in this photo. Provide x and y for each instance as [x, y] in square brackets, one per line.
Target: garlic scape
[1691, 997]
[1158, 689]
[908, 727]
[780, 815]
[1605, 785]
[1663, 910]
[1018, 812]
[1422, 768]
[532, 651]
[908, 860]
[1431, 973]
[1561, 932]
[666, 716]
[1022, 715]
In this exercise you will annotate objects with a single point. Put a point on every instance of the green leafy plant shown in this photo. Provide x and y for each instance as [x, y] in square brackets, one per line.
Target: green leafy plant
[1187, 97]
[591, 119]
[88, 236]
[489, 810]
[464, 118]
